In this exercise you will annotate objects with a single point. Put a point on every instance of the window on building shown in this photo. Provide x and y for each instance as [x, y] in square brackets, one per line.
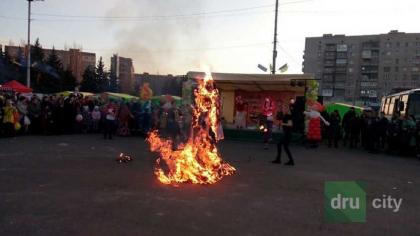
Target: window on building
[387, 69]
[398, 44]
[397, 69]
[397, 61]
[388, 53]
[342, 55]
[350, 70]
[388, 44]
[414, 77]
[341, 61]
[414, 69]
[406, 44]
[341, 48]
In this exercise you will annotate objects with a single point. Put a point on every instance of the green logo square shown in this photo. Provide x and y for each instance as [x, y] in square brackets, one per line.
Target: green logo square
[345, 201]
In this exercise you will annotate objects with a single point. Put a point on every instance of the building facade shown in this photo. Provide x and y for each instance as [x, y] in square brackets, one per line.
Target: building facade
[122, 68]
[160, 84]
[362, 69]
[73, 59]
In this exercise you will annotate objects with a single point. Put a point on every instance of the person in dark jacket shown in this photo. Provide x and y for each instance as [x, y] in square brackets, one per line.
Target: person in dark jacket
[382, 130]
[394, 132]
[334, 129]
[348, 121]
[287, 125]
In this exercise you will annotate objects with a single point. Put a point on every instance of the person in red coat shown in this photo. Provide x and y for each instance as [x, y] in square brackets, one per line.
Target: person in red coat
[267, 120]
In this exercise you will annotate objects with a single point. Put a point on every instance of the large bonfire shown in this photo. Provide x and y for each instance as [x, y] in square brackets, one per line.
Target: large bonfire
[198, 160]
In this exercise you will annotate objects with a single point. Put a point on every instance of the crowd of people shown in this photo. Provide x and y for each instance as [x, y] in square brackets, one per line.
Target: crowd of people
[76, 114]
[374, 132]
[54, 115]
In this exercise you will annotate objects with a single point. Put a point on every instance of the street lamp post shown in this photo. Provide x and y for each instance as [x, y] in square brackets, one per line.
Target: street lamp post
[273, 71]
[28, 61]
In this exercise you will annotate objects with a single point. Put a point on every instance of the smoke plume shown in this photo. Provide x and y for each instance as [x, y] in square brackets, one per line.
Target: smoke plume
[155, 42]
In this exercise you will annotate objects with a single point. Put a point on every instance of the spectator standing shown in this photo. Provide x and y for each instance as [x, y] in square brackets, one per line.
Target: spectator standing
[96, 118]
[35, 113]
[334, 129]
[382, 130]
[348, 122]
[10, 117]
[124, 117]
[22, 108]
[110, 119]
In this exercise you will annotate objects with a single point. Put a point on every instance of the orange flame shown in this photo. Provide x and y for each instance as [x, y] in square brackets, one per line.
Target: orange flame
[198, 161]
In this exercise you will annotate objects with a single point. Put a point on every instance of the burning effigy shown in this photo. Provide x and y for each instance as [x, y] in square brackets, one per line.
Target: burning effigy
[198, 160]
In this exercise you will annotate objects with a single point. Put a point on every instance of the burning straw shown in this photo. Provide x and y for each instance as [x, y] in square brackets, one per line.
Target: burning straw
[198, 160]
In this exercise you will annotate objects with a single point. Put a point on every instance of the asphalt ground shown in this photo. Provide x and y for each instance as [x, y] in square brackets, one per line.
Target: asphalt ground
[71, 185]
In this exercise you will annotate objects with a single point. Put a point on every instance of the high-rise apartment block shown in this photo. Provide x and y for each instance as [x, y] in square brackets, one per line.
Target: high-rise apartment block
[123, 70]
[362, 69]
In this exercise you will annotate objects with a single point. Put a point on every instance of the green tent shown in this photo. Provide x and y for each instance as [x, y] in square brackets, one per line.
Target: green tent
[156, 99]
[67, 93]
[342, 108]
[119, 96]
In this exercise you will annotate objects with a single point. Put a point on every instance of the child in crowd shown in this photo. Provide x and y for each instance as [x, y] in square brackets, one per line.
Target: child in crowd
[96, 117]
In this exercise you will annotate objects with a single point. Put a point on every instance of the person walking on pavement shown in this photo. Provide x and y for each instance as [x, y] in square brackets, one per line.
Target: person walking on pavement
[287, 126]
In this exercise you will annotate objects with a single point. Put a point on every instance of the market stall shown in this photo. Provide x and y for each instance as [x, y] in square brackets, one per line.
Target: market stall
[17, 87]
[252, 89]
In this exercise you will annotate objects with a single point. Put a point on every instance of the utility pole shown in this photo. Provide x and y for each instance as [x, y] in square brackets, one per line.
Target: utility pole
[28, 59]
[273, 69]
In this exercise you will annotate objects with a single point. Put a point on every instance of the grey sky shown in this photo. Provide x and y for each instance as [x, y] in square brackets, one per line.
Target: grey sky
[176, 36]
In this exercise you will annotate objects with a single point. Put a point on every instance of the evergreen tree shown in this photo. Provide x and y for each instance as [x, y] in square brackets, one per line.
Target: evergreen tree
[89, 81]
[37, 54]
[68, 81]
[7, 57]
[54, 61]
[113, 82]
[101, 76]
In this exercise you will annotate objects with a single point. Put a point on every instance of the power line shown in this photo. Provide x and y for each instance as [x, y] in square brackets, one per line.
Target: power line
[156, 16]
[184, 50]
[12, 18]
[46, 17]
[149, 19]
[133, 19]
[198, 14]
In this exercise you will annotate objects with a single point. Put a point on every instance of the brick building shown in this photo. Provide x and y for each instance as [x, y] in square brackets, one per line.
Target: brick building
[73, 59]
